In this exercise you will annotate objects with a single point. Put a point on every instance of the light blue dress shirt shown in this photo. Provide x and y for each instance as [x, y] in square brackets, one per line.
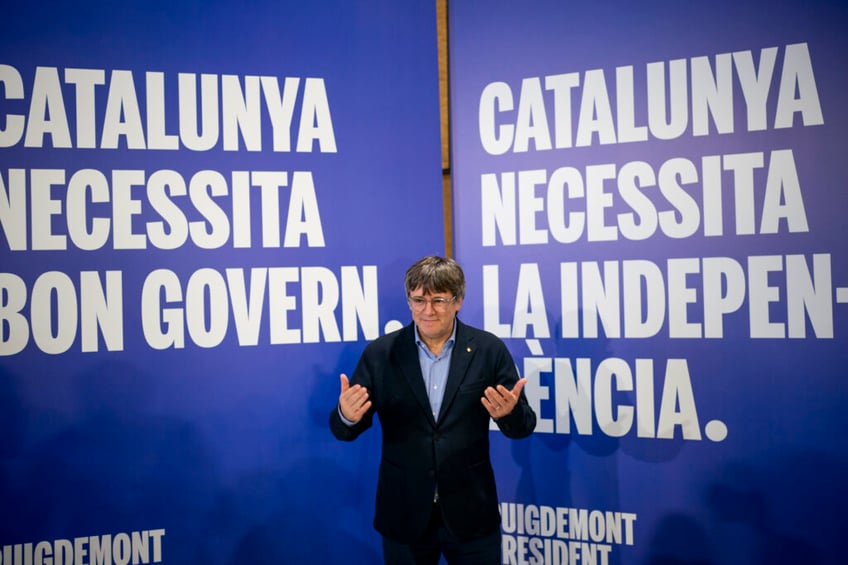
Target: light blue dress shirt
[435, 369]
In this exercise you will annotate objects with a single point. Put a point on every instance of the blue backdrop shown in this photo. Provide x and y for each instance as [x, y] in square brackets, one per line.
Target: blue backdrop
[649, 207]
[206, 210]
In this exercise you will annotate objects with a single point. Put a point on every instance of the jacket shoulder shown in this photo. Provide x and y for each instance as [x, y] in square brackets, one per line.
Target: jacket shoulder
[471, 333]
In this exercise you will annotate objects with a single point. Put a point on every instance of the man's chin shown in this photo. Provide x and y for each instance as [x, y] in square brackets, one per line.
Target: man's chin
[429, 327]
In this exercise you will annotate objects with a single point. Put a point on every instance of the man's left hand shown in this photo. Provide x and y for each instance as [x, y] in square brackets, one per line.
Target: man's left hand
[500, 401]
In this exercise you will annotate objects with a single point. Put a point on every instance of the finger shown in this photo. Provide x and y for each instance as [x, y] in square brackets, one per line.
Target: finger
[353, 396]
[505, 405]
[496, 400]
[354, 403]
[504, 392]
[356, 396]
[363, 409]
[355, 407]
[495, 396]
[489, 406]
[345, 382]
[516, 390]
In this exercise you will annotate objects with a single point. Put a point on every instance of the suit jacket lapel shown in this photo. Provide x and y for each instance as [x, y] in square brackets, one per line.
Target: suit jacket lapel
[463, 352]
[406, 361]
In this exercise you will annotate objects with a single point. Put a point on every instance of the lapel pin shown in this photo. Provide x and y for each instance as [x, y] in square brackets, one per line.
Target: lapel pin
[468, 350]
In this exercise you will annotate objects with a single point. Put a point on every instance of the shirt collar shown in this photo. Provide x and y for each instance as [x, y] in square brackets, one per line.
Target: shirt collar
[448, 344]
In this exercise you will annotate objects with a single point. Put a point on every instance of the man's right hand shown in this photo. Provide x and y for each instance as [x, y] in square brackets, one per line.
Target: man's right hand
[353, 400]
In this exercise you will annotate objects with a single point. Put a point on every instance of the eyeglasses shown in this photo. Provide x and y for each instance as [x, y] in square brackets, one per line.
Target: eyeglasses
[418, 303]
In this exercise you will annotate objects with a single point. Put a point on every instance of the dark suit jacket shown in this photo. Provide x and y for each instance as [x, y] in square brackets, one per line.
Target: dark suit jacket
[420, 453]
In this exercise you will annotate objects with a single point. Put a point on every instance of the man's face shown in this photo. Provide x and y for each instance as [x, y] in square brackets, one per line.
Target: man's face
[434, 318]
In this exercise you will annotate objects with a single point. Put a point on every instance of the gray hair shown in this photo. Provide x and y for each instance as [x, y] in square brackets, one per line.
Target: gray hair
[436, 274]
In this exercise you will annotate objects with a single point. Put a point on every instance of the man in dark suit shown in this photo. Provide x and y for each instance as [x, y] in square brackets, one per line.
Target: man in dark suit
[435, 384]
